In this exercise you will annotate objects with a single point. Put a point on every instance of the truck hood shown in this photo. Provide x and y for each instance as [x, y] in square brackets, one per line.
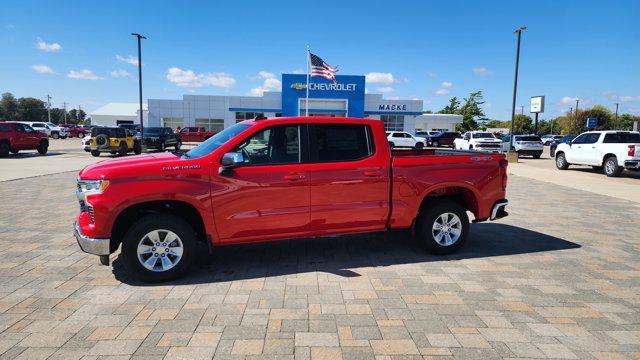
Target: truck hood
[129, 165]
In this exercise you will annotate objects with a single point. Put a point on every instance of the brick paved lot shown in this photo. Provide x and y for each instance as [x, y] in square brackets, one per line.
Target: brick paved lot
[559, 278]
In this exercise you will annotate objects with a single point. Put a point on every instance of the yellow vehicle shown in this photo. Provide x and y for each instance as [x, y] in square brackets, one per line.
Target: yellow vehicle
[114, 140]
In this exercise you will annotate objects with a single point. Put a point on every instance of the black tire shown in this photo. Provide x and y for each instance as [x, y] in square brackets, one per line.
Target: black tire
[611, 167]
[43, 147]
[561, 161]
[162, 147]
[95, 153]
[552, 152]
[102, 141]
[419, 146]
[470, 147]
[5, 148]
[137, 234]
[15, 152]
[426, 234]
[80, 135]
[391, 144]
[123, 150]
[178, 144]
[137, 148]
[55, 135]
[537, 156]
[435, 144]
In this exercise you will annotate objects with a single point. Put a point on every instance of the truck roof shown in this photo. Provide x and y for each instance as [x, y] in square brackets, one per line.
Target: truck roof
[312, 119]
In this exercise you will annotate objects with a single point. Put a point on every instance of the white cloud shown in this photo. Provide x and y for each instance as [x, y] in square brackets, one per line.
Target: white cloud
[83, 75]
[482, 71]
[386, 89]
[611, 95]
[442, 92]
[128, 60]
[42, 69]
[630, 98]
[187, 78]
[119, 73]
[380, 78]
[446, 84]
[432, 74]
[270, 83]
[567, 100]
[48, 47]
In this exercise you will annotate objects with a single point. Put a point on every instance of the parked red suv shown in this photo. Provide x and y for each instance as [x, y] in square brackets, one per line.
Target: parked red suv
[76, 130]
[15, 137]
[281, 178]
[195, 134]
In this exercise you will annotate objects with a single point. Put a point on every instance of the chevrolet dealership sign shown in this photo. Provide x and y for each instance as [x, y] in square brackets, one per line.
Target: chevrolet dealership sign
[325, 87]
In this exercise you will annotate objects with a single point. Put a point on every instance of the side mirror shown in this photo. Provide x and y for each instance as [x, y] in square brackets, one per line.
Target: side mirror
[231, 160]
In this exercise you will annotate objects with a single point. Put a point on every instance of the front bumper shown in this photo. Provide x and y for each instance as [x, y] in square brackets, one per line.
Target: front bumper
[498, 211]
[91, 245]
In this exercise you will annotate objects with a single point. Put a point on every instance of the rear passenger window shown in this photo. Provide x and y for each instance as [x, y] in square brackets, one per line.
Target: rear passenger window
[335, 142]
[4, 127]
[621, 138]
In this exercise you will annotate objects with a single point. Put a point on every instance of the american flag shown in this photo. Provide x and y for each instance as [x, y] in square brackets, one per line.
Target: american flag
[322, 69]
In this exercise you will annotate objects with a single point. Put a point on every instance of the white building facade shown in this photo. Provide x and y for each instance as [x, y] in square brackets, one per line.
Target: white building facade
[345, 98]
[114, 114]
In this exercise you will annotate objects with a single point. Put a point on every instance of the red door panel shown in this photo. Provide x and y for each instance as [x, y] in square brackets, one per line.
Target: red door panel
[261, 202]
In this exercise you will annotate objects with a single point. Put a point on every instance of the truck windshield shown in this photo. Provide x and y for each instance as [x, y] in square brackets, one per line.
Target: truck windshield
[483, 136]
[217, 140]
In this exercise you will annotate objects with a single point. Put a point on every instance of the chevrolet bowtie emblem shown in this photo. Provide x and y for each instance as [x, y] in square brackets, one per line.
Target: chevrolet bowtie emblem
[298, 86]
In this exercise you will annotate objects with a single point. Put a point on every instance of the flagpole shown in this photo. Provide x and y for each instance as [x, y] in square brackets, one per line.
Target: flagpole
[306, 102]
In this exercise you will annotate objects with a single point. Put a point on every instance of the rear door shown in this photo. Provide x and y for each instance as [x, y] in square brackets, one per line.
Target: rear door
[349, 180]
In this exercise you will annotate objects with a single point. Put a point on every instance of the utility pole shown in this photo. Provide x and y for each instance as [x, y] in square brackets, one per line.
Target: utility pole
[616, 124]
[576, 115]
[515, 87]
[49, 107]
[64, 105]
[78, 115]
[140, 37]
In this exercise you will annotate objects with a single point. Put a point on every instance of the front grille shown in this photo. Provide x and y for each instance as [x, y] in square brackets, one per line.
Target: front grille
[90, 210]
[85, 207]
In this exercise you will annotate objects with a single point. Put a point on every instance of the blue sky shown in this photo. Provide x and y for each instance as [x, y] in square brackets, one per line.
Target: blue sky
[80, 51]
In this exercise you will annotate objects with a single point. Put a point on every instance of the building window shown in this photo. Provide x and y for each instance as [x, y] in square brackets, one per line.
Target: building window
[172, 122]
[247, 115]
[215, 125]
[393, 122]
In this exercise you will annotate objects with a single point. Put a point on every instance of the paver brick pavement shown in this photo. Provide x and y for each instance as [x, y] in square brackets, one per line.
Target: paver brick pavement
[558, 278]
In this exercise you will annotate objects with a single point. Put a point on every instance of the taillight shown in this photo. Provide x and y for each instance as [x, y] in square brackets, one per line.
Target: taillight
[632, 150]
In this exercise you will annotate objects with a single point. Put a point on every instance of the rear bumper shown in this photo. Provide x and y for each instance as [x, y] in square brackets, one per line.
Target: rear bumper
[91, 245]
[632, 164]
[499, 210]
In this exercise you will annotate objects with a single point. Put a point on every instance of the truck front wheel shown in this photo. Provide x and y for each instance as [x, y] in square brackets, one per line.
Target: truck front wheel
[443, 226]
[159, 248]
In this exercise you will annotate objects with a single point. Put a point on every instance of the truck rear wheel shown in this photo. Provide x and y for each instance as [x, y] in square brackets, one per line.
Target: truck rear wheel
[442, 227]
[611, 167]
[159, 248]
[95, 153]
[123, 149]
[43, 147]
[4, 149]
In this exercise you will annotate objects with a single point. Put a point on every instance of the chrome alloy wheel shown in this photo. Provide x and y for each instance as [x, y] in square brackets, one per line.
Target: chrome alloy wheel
[610, 167]
[160, 250]
[447, 229]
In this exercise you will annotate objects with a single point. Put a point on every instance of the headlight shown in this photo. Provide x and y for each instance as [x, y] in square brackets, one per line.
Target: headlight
[92, 186]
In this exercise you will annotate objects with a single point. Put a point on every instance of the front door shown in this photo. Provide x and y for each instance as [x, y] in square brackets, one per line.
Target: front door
[267, 197]
[349, 188]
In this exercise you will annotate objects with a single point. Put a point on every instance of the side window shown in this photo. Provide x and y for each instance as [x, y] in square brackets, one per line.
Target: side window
[335, 142]
[580, 139]
[467, 136]
[397, 135]
[406, 135]
[20, 127]
[592, 138]
[4, 127]
[275, 145]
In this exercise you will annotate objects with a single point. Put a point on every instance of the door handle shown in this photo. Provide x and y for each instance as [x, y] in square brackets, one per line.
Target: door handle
[373, 173]
[294, 177]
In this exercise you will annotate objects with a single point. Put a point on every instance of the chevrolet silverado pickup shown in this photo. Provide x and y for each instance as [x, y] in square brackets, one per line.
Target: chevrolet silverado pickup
[281, 178]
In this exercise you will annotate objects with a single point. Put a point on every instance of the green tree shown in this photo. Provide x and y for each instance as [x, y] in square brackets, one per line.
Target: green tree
[471, 112]
[75, 117]
[522, 125]
[603, 116]
[31, 109]
[493, 124]
[8, 107]
[452, 108]
[625, 122]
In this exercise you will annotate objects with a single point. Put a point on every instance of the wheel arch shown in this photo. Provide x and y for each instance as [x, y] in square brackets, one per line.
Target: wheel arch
[128, 216]
[463, 194]
[606, 156]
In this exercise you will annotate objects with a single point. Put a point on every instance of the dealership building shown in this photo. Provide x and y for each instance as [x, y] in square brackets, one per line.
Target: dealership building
[346, 98]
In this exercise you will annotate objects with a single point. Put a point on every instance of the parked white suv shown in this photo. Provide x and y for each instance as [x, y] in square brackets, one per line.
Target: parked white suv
[478, 140]
[524, 145]
[610, 151]
[404, 139]
[51, 129]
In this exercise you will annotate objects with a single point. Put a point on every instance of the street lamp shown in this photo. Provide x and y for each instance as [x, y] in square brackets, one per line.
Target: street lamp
[140, 37]
[515, 87]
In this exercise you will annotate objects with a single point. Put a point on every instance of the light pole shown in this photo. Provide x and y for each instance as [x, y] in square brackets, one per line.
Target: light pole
[515, 87]
[140, 37]
[616, 124]
[576, 115]
[49, 107]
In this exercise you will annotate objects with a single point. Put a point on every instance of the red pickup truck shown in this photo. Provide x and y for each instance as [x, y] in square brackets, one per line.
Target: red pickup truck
[281, 178]
[195, 134]
[16, 136]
